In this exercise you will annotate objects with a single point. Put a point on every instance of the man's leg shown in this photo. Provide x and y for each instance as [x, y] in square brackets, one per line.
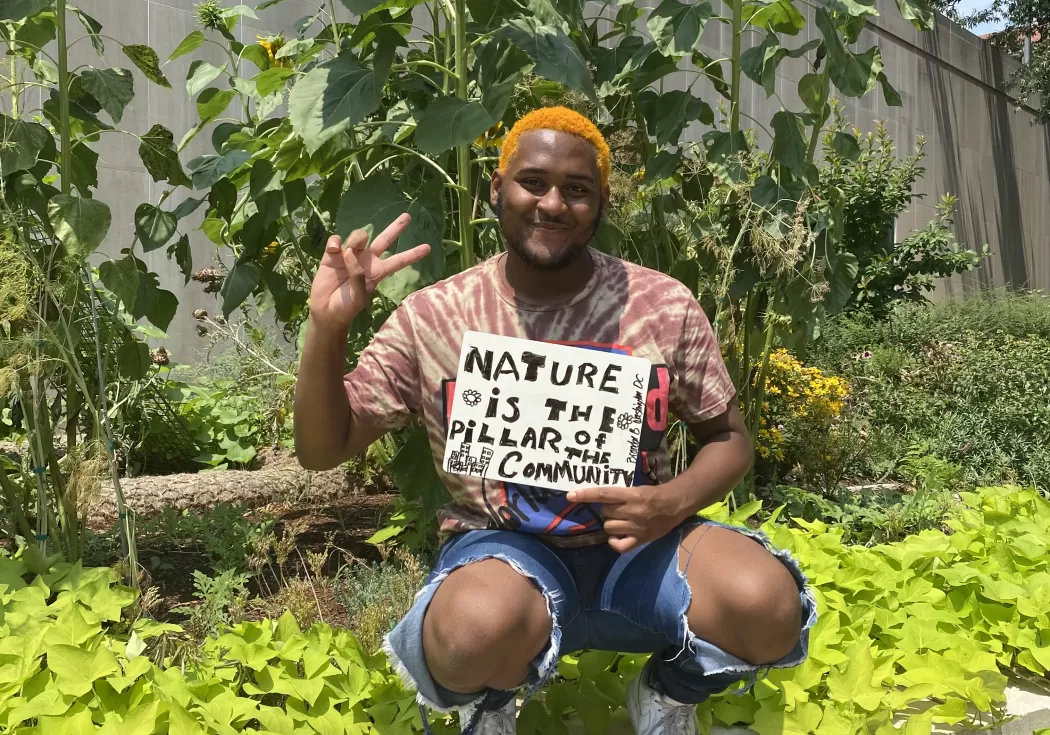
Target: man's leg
[485, 626]
[747, 609]
[488, 620]
[744, 600]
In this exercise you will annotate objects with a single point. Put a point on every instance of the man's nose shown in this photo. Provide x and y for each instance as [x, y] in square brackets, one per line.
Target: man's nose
[552, 204]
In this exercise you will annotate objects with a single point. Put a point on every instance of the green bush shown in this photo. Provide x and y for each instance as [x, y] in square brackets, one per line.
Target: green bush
[877, 188]
[919, 630]
[970, 380]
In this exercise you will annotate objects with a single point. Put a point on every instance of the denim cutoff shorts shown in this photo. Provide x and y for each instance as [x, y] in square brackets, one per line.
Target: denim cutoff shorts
[597, 599]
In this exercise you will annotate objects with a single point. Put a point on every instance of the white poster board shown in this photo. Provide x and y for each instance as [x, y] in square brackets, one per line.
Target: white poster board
[546, 415]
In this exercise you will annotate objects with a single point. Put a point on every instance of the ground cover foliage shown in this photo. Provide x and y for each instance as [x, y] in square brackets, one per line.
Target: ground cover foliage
[916, 632]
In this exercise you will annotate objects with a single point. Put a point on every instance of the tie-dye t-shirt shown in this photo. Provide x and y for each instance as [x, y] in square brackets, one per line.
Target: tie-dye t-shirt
[409, 369]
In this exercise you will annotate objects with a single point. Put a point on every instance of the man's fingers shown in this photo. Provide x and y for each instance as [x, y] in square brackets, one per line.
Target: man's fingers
[333, 252]
[358, 240]
[391, 265]
[623, 544]
[620, 527]
[389, 236]
[615, 495]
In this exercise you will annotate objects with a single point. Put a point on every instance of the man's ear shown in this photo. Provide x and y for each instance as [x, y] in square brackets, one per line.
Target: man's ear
[494, 188]
[604, 207]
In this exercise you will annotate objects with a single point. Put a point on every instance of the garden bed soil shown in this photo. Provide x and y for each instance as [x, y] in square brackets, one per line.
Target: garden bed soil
[347, 522]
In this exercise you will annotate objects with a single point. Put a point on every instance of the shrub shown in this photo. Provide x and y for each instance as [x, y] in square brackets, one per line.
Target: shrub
[970, 380]
[877, 188]
[801, 418]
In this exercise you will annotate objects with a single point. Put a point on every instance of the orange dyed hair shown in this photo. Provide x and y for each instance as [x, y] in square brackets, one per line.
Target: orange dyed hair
[566, 121]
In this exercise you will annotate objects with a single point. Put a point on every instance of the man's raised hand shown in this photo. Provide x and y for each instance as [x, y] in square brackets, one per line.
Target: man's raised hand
[351, 270]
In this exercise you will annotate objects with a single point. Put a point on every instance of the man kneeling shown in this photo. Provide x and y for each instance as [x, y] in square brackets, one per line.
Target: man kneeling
[525, 576]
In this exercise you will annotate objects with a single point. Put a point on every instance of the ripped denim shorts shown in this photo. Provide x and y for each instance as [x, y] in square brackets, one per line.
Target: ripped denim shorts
[598, 599]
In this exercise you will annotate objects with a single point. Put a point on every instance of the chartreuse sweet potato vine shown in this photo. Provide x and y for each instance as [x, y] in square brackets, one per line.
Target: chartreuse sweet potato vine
[913, 633]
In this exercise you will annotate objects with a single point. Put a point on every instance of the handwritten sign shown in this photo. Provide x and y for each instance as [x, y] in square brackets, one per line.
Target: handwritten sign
[546, 415]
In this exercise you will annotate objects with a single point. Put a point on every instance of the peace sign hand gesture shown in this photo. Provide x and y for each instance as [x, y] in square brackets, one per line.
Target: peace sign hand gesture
[350, 272]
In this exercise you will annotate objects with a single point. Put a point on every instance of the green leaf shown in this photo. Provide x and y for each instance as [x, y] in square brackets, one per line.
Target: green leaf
[891, 95]
[918, 12]
[20, 9]
[80, 224]
[556, 56]
[449, 122]
[330, 98]
[163, 309]
[238, 286]
[264, 178]
[789, 147]
[213, 102]
[780, 16]
[852, 74]
[676, 27]
[182, 253]
[272, 80]
[846, 145]
[361, 7]
[113, 88]
[712, 69]
[147, 62]
[724, 151]
[50, 702]
[93, 29]
[83, 168]
[491, 13]
[256, 54]
[158, 154]
[22, 143]
[133, 360]
[376, 202]
[122, 278]
[188, 45]
[207, 170]
[843, 279]
[662, 166]
[75, 669]
[154, 226]
[501, 65]
[413, 471]
[813, 91]
[200, 75]
[668, 114]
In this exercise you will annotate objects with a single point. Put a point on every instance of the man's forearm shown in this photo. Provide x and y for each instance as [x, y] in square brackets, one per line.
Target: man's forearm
[721, 463]
[322, 409]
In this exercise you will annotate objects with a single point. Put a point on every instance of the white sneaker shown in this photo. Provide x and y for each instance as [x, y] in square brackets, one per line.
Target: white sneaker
[653, 713]
[500, 722]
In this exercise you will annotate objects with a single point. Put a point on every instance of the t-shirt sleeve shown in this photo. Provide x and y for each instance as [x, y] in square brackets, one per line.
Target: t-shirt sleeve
[704, 386]
[384, 388]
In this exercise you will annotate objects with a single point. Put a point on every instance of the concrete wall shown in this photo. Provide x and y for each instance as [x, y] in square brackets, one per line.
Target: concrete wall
[979, 146]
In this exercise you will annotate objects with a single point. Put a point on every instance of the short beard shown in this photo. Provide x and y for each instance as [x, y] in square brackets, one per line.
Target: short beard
[567, 259]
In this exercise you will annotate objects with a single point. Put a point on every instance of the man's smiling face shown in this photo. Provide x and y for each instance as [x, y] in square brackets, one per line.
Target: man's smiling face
[550, 198]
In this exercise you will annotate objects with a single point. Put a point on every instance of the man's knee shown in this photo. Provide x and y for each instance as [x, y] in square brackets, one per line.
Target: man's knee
[745, 600]
[767, 611]
[484, 617]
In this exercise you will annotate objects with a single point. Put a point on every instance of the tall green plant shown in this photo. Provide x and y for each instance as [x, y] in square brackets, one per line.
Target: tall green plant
[63, 340]
[385, 117]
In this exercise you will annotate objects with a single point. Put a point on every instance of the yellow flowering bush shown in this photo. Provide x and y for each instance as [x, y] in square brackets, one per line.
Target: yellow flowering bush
[801, 409]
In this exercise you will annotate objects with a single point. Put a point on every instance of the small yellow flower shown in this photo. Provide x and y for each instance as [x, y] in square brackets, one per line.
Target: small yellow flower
[273, 44]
